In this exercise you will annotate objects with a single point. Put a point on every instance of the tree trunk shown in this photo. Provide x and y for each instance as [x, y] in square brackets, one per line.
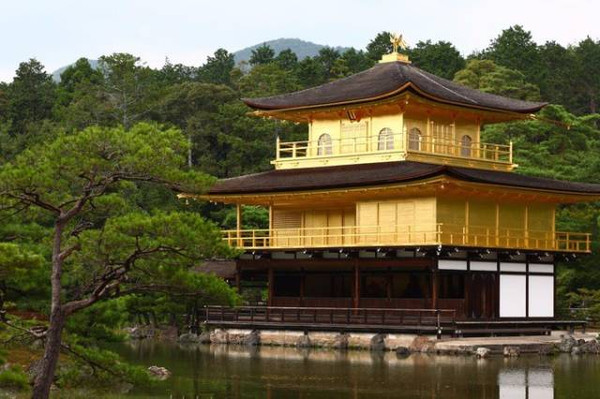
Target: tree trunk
[43, 381]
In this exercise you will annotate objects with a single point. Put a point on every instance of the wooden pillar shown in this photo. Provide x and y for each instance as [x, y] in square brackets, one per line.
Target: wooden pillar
[302, 284]
[356, 298]
[389, 280]
[238, 279]
[271, 281]
[238, 226]
[434, 288]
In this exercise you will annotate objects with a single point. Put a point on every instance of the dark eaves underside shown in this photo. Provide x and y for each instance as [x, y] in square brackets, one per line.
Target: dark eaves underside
[376, 174]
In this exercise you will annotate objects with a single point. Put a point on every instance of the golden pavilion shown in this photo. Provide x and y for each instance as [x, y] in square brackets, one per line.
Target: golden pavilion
[393, 213]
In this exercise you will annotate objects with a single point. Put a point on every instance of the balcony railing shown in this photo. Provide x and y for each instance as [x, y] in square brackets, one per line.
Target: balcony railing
[403, 235]
[394, 143]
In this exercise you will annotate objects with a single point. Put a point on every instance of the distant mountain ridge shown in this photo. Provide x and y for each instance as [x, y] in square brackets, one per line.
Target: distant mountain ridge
[302, 48]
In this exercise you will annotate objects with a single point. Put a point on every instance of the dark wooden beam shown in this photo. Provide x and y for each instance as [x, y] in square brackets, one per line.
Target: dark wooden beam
[356, 297]
[271, 281]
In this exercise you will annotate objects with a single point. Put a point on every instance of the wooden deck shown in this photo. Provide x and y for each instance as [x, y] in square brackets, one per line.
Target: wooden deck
[420, 321]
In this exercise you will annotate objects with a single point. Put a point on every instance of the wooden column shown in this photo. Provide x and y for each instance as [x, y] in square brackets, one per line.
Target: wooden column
[356, 298]
[238, 279]
[434, 288]
[238, 226]
[302, 284]
[270, 282]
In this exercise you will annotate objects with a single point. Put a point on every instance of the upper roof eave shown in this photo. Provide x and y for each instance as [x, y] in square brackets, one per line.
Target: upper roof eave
[387, 80]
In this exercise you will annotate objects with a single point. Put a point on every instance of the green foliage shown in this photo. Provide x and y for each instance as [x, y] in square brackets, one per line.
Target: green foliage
[255, 217]
[80, 101]
[128, 88]
[585, 302]
[14, 378]
[379, 46]
[441, 58]
[100, 323]
[488, 77]
[587, 55]
[287, 60]
[356, 61]
[91, 367]
[267, 79]
[262, 55]
[31, 96]
[515, 49]
[218, 68]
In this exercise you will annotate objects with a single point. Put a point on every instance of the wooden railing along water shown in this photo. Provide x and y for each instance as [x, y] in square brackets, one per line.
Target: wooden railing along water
[323, 317]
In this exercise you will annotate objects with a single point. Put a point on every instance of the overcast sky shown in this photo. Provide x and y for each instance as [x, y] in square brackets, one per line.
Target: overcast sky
[59, 32]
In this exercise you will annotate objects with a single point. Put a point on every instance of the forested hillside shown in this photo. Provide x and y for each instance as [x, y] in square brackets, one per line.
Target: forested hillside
[195, 111]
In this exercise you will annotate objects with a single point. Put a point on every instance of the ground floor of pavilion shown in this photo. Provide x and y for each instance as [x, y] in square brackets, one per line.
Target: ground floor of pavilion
[417, 290]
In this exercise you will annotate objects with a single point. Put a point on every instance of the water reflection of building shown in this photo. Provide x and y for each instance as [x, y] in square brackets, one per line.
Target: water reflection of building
[526, 383]
[394, 202]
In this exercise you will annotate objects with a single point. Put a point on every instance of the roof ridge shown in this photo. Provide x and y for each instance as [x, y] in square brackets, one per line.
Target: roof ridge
[420, 72]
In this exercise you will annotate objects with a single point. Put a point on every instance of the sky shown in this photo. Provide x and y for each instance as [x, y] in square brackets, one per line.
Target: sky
[58, 32]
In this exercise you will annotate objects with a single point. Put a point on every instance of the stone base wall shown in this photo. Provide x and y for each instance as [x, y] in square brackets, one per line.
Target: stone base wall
[321, 339]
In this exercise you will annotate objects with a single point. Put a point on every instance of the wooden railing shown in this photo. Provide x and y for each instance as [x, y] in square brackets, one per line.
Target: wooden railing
[396, 142]
[407, 235]
[481, 151]
[322, 316]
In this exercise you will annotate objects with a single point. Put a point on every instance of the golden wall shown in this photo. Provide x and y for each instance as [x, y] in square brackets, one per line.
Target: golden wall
[406, 220]
[362, 136]
[484, 223]
[418, 220]
[313, 227]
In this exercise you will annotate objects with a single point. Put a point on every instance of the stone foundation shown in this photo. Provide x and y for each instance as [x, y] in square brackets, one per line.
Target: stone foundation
[404, 343]
[322, 339]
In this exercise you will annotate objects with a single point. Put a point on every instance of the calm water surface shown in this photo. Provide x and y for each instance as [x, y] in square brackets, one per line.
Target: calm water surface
[238, 372]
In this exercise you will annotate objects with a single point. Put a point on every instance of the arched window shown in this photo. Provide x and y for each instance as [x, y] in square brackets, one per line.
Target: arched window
[324, 145]
[465, 146]
[414, 139]
[385, 140]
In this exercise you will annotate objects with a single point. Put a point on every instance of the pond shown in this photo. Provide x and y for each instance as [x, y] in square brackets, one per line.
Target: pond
[220, 371]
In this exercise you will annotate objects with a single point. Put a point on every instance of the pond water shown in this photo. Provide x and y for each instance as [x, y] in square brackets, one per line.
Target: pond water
[220, 371]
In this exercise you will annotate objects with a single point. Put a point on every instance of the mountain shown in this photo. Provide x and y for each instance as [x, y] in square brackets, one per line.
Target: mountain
[56, 74]
[302, 48]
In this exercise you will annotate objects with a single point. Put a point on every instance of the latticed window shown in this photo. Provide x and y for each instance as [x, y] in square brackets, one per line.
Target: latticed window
[385, 140]
[324, 145]
[414, 139]
[465, 146]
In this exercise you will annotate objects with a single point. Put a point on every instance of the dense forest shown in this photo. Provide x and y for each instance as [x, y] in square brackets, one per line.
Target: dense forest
[91, 162]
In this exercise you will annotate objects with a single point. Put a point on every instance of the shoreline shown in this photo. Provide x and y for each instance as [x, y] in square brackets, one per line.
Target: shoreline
[402, 344]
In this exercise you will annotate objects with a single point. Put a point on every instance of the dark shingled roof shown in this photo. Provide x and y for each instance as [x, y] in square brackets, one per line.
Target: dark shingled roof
[388, 79]
[289, 180]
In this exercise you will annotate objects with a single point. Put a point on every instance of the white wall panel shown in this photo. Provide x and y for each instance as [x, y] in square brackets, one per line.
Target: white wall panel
[512, 295]
[513, 267]
[452, 265]
[541, 268]
[484, 266]
[541, 296]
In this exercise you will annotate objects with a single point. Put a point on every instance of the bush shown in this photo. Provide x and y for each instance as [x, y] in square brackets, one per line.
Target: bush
[14, 377]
